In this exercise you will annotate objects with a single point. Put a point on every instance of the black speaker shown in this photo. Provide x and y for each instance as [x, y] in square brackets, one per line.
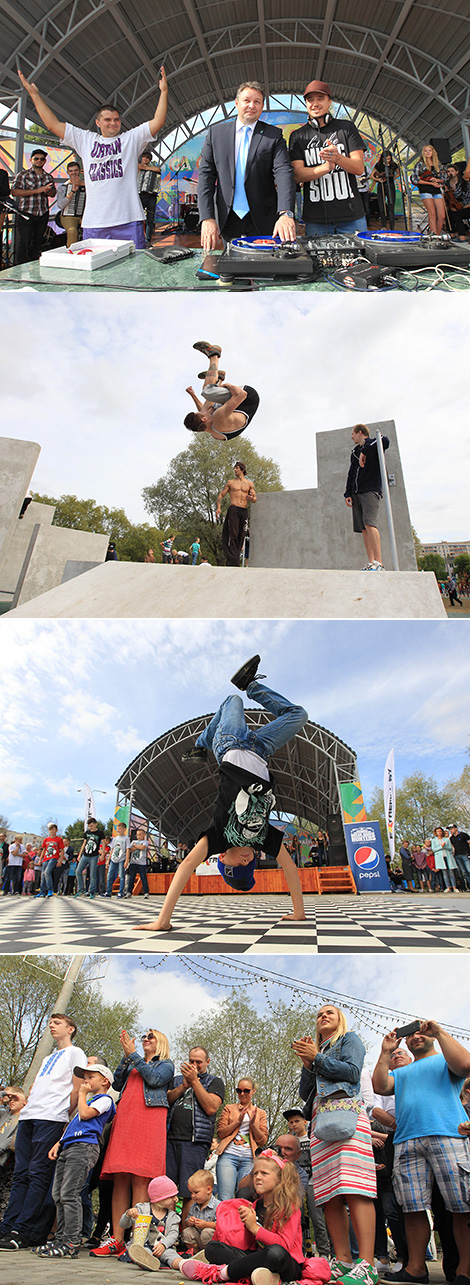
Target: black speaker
[337, 855]
[335, 828]
[443, 149]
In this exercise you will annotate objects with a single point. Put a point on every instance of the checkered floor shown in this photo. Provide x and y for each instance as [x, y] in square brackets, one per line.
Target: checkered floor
[373, 923]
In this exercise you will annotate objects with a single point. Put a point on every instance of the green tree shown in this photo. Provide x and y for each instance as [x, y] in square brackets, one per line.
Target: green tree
[460, 790]
[132, 540]
[28, 992]
[241, 1042]
[4, 822]
[462, 564]
[417, 544]
[433, 562]
[184, 500]
[420, 805]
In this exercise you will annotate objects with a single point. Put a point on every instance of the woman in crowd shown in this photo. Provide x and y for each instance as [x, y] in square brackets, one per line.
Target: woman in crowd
[322, 841]
[430, 178]
[271, 1224]
[137, 1146]
[444, 858]
[343, 1171]
[386, 191]
[242, 1128]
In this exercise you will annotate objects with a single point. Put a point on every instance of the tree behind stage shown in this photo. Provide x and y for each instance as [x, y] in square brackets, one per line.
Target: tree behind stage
[420, 805]
[28, 993]
[184, 500]
[241, 1042]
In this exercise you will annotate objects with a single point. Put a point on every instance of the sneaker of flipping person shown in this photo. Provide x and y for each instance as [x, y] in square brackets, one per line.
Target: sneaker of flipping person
[209, 350]
[195, 755]
[247, 673]
[109, 1246]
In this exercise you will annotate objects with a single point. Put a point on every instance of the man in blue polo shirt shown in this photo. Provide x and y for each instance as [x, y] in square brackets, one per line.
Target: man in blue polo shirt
[428, 1145]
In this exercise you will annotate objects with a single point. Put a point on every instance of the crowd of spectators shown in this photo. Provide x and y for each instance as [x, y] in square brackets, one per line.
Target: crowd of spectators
[439, 864]
[97, 866]
[348, 1191]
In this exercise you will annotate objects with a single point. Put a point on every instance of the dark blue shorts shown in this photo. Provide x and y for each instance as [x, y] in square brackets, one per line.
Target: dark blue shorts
[182, 1160]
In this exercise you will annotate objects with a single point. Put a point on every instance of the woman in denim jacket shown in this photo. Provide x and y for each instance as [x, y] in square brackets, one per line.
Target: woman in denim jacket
[137, 1145]
[343, 1173]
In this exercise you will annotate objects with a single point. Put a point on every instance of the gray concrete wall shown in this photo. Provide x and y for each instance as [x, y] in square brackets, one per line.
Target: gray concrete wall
[12, 558]
[313, 528]
[54, 547]
[17, 463]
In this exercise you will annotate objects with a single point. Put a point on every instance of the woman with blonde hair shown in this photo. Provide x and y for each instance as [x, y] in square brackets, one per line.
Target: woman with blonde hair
[343, 1166]
[136, 1150]
[430, 178]
[241, 1129]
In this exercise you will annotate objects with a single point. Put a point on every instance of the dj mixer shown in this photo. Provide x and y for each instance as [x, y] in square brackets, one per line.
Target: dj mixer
[265, 257]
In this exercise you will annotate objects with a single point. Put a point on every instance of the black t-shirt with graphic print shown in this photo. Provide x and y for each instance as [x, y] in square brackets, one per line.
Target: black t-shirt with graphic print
[332, 198]
[241, 814]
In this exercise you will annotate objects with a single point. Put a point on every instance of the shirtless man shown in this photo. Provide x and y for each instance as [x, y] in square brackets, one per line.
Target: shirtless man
[232, 417]
[241, 491]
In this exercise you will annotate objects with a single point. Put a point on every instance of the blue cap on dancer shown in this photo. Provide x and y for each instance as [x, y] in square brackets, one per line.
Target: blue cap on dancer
[240, 878]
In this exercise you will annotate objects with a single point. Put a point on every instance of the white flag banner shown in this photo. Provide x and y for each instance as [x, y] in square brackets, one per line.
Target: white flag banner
[89, 804]
[389, 801]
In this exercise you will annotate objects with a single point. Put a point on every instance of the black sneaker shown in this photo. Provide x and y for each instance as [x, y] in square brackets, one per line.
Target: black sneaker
[209, 350]
[405, 1276]
[247, 673]
[13, 1242]
[196, 755]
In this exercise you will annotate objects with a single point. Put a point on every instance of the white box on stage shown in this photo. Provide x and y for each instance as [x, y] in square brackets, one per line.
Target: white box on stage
[86, 256]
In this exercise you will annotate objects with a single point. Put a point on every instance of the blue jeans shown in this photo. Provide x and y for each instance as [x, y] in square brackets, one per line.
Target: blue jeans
[92, 862]
[228, 730]
[48, 868]
[463, 864]
[115, 868]
[194, 560]
[134, 872]
[347, 228]
[229, 1171]
[30, 1205]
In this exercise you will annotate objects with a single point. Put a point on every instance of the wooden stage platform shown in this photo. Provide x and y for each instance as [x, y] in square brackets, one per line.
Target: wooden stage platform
[333, 879]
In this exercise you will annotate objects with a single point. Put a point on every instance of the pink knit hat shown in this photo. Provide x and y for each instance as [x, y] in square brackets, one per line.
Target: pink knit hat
[161, 1189]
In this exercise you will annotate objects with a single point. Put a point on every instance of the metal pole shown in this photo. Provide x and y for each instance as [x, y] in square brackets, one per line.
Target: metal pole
[465, 127]
[388, 505]
[46, 1043]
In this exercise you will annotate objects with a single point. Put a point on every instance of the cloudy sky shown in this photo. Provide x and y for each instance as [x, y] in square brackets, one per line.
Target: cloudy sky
[100, 386]
[79, 699]
[170, 994]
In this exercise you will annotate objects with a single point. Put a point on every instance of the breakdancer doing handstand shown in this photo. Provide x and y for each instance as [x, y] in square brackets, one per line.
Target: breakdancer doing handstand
[226, 409]
[245, 795]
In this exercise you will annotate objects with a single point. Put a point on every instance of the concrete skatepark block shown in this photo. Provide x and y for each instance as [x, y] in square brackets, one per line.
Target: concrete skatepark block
[313, 528]
[126, 589]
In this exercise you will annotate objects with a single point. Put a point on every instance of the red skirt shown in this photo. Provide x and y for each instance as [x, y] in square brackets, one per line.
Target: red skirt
[137, 1143]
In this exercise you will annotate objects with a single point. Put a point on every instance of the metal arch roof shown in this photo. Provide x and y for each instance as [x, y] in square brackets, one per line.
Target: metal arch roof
[180, 797]
[406, 62]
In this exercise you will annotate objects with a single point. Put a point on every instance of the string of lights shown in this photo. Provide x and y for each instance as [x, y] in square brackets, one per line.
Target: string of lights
[226, 974]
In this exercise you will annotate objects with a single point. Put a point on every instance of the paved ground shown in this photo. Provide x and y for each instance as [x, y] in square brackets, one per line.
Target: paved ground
[373, 923]
[23, 1266]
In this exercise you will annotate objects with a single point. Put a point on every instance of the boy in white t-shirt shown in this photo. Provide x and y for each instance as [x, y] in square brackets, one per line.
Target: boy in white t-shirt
[118, 860]
[113, 210]
[54, 1094]
[75, 1155]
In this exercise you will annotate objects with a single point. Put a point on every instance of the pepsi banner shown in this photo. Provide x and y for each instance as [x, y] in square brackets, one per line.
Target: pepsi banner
[366, 856]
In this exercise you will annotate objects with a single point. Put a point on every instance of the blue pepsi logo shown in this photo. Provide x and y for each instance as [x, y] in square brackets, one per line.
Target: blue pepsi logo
[367, 858]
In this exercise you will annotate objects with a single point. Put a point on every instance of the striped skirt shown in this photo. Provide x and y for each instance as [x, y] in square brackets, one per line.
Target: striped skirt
[343, 1168]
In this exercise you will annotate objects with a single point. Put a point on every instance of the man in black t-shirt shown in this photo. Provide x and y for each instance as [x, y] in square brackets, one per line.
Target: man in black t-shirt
[460, 841]
[245, 796]
[326, 155]
[88, 856]
[194, 1100]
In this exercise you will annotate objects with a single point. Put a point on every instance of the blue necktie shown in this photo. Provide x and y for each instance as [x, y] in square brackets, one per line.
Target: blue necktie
[240, 203]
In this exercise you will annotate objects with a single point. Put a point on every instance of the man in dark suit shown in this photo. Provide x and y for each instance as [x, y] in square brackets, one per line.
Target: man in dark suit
[246, 185]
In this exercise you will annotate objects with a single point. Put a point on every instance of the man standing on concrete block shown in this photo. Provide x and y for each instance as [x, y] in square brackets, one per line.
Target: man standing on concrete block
[364, 492]
[241, 491]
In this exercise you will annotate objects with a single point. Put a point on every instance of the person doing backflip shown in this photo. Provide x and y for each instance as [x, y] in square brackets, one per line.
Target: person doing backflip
[226, 409]
[245, 795]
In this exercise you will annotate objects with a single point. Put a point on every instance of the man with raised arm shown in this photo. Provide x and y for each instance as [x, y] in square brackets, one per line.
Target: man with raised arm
[113, 208]
[245, 796]
[428, 1144]
[222, 419]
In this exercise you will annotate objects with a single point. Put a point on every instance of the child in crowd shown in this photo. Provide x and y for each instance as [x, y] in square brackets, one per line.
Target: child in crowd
[71, 873]
[138, 862]
[161, 1231]
[273, 1226]
[28, 878]
[76, 1154]
[118, 860]
[102, 867]
[200, 1224]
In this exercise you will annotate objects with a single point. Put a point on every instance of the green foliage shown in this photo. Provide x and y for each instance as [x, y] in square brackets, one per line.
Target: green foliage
[28, 993]
[460, 790]
[462, 564]
[132, 540]
[184, 500]
[4, 822]
[433, 562]
[420, 805]
[241, 1042]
